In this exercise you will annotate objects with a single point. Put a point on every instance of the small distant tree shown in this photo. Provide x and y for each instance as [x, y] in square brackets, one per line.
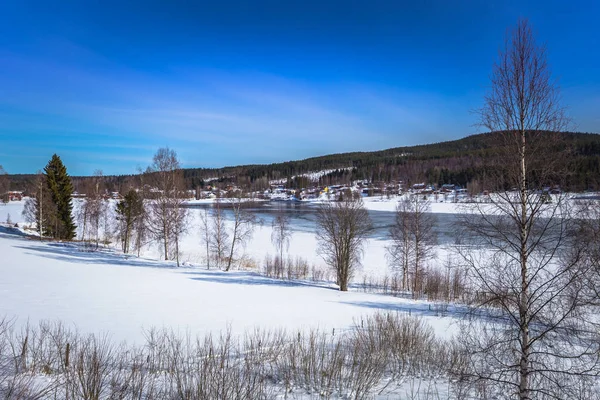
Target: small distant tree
[141, 231]
[219, 237]
[29, 210]
[128, 211]
[40, 209]
[413, 238]
[342, 228]
[92, 208]
[97, 205]
[281, 234]
[61, 192]
[180, 226]
[205, 233]
[243, 226]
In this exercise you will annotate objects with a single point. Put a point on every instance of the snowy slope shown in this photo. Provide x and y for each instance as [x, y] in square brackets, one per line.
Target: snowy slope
[107, 292]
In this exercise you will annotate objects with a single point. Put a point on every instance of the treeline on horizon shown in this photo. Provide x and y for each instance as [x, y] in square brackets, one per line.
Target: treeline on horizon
[472, 162]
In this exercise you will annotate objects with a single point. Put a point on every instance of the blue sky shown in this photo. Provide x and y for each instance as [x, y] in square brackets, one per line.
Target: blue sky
[106, 83]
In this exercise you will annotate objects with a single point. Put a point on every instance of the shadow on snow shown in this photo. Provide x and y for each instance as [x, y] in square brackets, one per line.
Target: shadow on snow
[76, 253]
[247, 278]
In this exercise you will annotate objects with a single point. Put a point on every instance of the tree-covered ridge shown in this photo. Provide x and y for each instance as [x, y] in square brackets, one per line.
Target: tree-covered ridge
[467, 161]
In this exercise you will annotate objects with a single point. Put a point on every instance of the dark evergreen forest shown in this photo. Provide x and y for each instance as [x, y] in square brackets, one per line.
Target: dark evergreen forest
[468, 162]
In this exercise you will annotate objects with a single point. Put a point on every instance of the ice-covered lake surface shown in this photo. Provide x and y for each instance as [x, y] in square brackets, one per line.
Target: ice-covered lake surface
[303, 226]
[303, 218]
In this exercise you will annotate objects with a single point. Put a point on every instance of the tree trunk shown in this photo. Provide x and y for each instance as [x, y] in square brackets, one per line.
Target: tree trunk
[417, 257]
[231, 251]
[207, 253]
[41, 205]
[85, 214]
[165, 236]
[524, 295]
[177, 249]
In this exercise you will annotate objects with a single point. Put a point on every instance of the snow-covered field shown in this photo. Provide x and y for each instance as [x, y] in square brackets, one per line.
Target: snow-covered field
[106, 291]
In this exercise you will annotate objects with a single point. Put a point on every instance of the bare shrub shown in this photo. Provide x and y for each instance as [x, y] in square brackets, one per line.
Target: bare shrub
[342, 228]
[290, 268]
[374, 356]
[89, 372]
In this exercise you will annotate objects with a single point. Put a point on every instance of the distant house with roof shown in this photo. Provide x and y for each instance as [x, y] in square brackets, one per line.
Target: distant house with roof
[12, 195]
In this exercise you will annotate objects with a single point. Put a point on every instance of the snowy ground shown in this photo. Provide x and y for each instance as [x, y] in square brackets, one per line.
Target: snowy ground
[108, 292]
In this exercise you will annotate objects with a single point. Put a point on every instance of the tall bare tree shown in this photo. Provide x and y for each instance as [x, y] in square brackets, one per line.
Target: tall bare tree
[219, 242]
[413, 238]
[141, 230]
[534, 342]
[342, 227]
[97, 204]
[244, 222]
[180, 224]
[167, 217]
[281, 234]
[205, 233]
[40, 209]
[90, 210]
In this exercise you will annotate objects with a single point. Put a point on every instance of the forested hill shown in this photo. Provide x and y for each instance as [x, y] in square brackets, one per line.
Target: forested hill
[465, 162]
[461, 162]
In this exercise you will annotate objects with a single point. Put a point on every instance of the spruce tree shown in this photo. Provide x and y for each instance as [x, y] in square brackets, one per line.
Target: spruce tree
[61, 192]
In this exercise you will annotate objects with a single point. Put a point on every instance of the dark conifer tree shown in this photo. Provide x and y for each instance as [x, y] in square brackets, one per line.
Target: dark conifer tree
[61, 192]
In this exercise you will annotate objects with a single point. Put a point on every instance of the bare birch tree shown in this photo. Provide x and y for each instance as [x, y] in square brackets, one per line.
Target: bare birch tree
[243, 226]
[413, 238]
[342, 228]
[97, 205]
[205, 233]
[141, 230]
[167, 217]
[219, 242]
[180, 225]
[90, 209]
[532, 339]
[40, 209]
[281, 235]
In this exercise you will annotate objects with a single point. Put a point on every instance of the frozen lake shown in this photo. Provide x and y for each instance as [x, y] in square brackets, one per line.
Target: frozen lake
[303, 219]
